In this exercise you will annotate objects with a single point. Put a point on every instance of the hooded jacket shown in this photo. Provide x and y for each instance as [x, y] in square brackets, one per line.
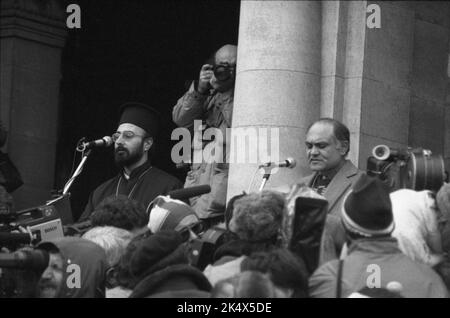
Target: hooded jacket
[228, 258]
[90, 261]
[160, 268]
[175, 281]
[380, 261]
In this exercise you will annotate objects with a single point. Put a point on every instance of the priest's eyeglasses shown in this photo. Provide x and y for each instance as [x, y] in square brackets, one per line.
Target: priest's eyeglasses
[127, 135]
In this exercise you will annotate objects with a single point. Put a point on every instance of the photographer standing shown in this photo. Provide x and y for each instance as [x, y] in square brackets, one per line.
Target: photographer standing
[210, 99]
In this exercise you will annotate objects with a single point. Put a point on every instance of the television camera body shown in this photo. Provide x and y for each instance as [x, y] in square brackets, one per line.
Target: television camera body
[44, 222]
[412, 168]
[21, 268]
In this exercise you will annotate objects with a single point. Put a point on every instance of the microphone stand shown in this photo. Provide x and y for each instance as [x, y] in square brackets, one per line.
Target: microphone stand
[72, 179]
[77, 171]
[266, 177]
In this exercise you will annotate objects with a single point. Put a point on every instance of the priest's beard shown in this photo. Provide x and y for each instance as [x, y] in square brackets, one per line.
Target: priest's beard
[125, 157]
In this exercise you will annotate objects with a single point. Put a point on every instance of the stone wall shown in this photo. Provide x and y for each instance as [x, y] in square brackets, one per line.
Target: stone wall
[389, 85]
[32, 34]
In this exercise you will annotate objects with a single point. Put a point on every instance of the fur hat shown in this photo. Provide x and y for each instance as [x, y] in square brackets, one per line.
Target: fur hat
[367, 208]
[258, 216]
[170, 214]
[230, 207]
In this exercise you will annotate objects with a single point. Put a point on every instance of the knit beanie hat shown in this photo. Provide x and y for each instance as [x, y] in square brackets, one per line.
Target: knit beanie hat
[170, 214]
[367, 208]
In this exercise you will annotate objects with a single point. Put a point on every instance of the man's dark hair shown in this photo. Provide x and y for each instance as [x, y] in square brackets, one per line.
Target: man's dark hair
[123, 276]
[340, 131]
[119, 211]
[285, 269]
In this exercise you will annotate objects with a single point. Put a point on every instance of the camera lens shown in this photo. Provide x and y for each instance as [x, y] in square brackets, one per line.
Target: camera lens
[222, 72]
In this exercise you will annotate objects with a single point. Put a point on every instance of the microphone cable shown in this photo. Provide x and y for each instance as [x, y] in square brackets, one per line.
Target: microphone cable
[75, 154]
[252, 180]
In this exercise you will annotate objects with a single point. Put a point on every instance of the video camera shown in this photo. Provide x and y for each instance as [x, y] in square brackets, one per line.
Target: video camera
[417, 169]
[20, 272]
[25, 259]
[44, 222]
[203, 241]
[204, 247]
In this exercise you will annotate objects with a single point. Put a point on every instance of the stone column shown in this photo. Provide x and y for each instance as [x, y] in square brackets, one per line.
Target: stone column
[277, 84]
[32, 35]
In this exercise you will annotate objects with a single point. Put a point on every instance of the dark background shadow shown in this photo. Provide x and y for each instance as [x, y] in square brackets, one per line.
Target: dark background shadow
[131, 50]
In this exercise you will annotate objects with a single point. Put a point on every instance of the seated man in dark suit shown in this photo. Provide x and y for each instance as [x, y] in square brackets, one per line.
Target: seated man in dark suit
[328, 143]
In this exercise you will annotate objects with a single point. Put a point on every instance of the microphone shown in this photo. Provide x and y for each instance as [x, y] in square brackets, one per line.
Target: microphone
[288, 163]
[36, 259]
[186, 193]
[104, 142]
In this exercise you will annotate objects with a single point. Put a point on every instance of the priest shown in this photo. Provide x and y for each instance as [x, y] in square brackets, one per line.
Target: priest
[138, 179]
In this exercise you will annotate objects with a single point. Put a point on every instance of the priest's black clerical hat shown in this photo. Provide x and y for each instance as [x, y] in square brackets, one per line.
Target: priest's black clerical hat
[141, 115]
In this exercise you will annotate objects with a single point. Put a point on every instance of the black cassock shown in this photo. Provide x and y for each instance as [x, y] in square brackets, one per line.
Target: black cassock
[145, 184]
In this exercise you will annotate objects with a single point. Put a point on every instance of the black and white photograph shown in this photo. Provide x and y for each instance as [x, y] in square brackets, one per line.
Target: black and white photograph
[214, 151]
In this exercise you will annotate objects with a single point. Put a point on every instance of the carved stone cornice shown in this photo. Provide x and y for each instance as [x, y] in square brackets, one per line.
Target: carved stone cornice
[37, 20]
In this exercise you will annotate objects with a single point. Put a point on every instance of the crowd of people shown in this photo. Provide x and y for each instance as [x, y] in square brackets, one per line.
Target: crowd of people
[362, 240]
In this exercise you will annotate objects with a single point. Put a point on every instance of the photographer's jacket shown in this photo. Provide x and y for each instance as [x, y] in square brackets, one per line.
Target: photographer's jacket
[215, 110]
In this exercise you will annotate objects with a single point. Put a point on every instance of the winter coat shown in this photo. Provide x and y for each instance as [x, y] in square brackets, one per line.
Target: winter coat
[377, 262]
[228, 258]
[175, 281]
[333, 237]
[215, 110]
[90, 261]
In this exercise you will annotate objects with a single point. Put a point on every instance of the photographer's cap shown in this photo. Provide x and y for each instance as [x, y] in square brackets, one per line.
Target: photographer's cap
[141, 115]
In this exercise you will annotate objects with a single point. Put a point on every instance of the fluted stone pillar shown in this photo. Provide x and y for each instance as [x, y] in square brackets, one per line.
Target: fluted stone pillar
[32, 35]
[277, 84]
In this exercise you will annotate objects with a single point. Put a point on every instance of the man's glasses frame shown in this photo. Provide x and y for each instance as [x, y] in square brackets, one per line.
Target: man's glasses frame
[127, 135]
